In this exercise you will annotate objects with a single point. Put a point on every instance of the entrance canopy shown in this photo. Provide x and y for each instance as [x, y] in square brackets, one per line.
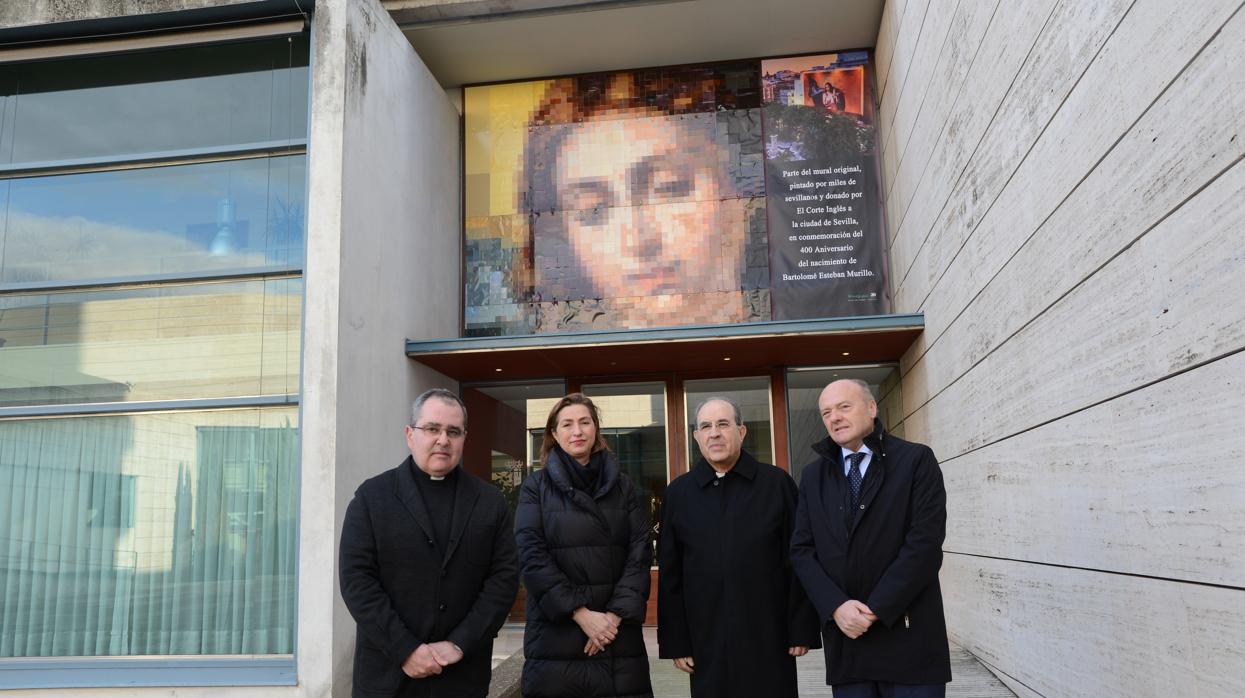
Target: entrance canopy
[852, 340]
[478, 41]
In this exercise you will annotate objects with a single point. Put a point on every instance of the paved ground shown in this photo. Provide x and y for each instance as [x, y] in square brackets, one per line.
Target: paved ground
[971, 679]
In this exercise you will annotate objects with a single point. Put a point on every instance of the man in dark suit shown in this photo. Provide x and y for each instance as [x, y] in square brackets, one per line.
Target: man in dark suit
[428, 567]
[867, 546]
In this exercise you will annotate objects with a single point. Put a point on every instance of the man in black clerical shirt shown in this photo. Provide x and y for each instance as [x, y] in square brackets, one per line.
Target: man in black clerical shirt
[428, 566]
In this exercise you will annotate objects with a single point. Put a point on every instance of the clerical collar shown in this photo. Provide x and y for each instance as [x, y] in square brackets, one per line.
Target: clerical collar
[446, 479]
[702, 473]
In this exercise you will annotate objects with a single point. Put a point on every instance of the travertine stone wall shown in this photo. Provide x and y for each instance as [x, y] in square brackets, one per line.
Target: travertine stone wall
[1064, 204]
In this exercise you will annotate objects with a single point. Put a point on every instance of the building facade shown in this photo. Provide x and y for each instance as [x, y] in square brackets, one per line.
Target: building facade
[240, 236]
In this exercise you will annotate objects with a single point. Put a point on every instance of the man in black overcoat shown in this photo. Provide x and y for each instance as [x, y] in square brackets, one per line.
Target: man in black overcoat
[428, 567]
[867, 547]
[730, 611]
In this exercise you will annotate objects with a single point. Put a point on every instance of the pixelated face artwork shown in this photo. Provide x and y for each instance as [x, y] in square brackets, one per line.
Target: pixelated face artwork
[640, 206]
[637, 201]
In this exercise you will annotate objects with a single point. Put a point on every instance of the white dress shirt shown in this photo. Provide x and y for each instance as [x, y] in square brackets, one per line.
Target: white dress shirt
[864, 464]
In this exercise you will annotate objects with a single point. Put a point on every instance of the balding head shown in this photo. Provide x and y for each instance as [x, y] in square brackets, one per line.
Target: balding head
[848, 409]
[865, 391]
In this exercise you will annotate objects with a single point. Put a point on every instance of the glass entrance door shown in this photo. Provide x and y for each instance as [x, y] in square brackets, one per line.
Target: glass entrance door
[752, 393]
[633, 422]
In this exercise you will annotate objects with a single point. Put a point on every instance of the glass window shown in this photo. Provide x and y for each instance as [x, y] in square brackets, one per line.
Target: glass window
[229, 215]
[144, 102]
[149, 534]
[208, 340]
[507, 422]
[152, 533]
[753, 396]
[804, 386]
[633, 422]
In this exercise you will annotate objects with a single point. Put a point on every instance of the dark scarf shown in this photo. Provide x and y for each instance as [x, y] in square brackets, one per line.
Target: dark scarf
[583, 476]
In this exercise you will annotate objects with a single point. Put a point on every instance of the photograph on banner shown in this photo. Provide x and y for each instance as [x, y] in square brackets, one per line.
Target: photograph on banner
[615, 200]
[823, 200]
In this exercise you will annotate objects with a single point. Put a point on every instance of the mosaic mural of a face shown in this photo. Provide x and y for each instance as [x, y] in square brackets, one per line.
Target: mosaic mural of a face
[639, 202]
[637, 198]
[641, 192]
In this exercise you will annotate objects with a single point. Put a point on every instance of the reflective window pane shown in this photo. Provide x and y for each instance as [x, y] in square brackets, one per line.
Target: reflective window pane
[224, 339]
[229, 215]
[154, 101]
[149, 534]
[633, 422]
[752, 394]
[505, 428]
[804, 386]
[507, 422]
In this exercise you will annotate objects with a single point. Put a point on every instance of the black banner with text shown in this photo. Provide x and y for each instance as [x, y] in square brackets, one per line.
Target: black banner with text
[826, 244]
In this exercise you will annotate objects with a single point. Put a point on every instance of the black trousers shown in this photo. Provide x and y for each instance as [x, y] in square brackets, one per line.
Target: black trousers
[883, 689]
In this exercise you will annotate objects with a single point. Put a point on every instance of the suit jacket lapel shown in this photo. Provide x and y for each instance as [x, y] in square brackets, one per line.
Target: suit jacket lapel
[465, 496]
[410, 498]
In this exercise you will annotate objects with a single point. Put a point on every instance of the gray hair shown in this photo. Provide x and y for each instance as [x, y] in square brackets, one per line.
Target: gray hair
[864, 388]
[739, 417]
[440, 394]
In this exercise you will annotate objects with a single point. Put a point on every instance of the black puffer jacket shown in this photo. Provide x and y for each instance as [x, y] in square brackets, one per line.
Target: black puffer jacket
[583, 549]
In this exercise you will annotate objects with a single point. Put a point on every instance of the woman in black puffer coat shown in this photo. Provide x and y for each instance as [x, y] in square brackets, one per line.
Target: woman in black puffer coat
[583, 541]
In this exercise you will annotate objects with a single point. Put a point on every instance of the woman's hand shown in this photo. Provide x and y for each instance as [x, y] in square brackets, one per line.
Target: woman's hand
[601, 628]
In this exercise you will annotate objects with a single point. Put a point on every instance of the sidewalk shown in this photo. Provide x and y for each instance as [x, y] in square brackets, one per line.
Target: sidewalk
[970, 678]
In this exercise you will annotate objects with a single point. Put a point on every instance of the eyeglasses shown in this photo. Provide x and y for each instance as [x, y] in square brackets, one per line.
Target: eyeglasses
[434, 430]
[721, 424]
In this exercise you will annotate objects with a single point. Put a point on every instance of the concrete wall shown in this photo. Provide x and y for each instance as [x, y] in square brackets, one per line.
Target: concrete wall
[1064, 183]
[383, 251]
[20, 13]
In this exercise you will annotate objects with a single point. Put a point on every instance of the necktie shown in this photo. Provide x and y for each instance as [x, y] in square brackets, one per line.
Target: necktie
[854, 477]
